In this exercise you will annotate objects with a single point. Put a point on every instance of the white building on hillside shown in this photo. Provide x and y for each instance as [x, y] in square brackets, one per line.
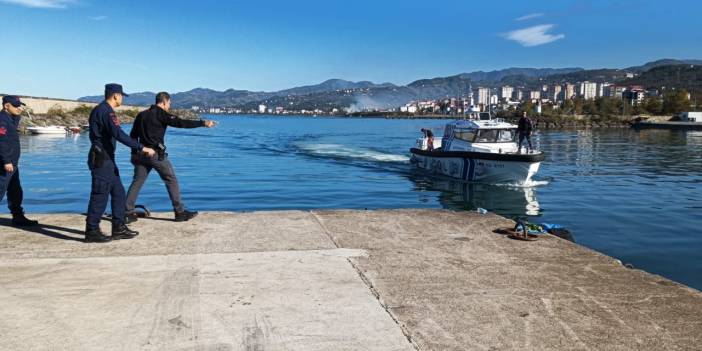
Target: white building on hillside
[506, 92]
[603, 89]
[554, 93]
[483, 96]
[588, 90]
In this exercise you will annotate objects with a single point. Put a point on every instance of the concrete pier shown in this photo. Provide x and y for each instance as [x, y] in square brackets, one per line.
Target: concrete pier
[329, 280]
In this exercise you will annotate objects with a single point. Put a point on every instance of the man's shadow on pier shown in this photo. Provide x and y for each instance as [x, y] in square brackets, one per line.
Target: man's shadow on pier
[49, 230]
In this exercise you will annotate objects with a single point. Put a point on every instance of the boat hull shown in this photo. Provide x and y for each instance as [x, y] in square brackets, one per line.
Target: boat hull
[46, 130]
[479, 167]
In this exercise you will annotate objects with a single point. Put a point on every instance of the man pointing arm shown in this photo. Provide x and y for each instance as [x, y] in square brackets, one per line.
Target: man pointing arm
[150, 129]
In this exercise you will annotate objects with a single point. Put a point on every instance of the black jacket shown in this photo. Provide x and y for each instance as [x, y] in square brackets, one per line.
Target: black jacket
[150, 126]
[525, 125]
[9, 139]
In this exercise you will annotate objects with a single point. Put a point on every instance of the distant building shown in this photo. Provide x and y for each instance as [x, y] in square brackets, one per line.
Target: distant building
[506, 92]
[544, 88]
[535, 95]
[518, 95]
[568, 91]
[602, 89]
[483, 96]
[588, 90]
[616, 91]
[261, 108]
[494, 99]
[634, 95]
[554, 93]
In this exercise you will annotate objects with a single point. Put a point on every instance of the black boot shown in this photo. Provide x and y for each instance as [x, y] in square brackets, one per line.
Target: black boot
[95, 236]
[130, 217]
[19, 220]
[121, 231]
[185, 216]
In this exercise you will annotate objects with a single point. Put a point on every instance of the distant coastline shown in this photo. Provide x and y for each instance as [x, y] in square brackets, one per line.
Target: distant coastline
[543, 122]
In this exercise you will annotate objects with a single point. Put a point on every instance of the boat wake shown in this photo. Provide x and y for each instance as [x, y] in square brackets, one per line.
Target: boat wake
[530, 184]
[337, 151]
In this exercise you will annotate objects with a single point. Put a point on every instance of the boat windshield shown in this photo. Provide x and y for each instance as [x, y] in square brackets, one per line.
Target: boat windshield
[506, 135]
[486, 136]
[495, 136]
[468, 136]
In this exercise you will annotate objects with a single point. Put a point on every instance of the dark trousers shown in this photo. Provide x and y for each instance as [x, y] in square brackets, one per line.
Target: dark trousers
[106, 184]
[10, 184]
[523, 136]
[142, 167]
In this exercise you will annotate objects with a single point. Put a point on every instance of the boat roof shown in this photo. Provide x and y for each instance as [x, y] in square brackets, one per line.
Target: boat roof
[482, 124]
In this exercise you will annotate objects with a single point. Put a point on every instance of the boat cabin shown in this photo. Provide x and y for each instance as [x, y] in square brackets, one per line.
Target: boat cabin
[493, 136]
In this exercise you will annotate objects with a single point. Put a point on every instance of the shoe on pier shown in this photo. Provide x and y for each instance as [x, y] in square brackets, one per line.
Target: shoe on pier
[185, 216]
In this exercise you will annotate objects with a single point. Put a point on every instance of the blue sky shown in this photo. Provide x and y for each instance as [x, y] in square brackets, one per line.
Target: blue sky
[70, 48]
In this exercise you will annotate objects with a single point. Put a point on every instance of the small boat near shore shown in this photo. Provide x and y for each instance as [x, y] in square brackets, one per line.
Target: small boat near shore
[55, 130]
[481, 149]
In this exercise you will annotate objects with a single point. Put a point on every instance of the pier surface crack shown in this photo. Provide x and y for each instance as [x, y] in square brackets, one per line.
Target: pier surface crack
[370, 286]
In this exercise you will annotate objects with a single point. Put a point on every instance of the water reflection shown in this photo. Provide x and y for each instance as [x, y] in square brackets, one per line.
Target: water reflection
[456, 195]
[694, 138]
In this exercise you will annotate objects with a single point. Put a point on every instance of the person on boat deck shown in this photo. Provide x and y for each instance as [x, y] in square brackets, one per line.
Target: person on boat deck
[430, 138]
[9, 160]
[524, 128]
[149, 128]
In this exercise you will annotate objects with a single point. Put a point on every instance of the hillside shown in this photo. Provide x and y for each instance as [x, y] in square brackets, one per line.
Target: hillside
[688, 77]
[338, 93]
[663, 62]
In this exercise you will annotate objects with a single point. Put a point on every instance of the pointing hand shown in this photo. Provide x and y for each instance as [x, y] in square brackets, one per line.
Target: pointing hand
[148, 151]
[9, 168]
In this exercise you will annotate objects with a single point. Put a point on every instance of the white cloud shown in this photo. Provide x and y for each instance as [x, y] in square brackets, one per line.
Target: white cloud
[533, 36]
[98, 18]
[529, 16]
[43, 4]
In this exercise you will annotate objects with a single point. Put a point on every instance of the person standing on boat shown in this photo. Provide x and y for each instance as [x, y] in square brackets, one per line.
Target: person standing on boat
[524, 129]
[149, 128]
[9, 160]
[429, 135]
[105, 131]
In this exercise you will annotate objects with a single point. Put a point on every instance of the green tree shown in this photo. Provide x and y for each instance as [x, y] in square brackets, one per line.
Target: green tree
[675, 101]
[653, 105]
[578, 106]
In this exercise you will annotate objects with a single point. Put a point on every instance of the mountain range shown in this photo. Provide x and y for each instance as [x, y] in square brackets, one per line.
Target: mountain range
[337, 93]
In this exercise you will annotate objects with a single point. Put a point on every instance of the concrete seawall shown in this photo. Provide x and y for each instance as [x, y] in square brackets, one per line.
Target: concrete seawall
[40, 105]
[329, 280]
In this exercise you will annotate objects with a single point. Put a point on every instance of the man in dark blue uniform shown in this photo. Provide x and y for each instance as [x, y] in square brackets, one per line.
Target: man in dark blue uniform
[104, 132]
[9, 160]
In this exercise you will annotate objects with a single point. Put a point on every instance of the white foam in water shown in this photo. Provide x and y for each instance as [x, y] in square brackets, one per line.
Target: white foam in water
[530, 184]
[335, 150]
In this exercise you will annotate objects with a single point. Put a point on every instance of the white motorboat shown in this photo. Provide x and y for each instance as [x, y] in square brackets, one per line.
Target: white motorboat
[47, 130]
[481, 149]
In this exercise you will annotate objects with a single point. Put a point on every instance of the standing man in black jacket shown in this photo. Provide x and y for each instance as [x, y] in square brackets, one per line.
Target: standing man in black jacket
[524, 128]
[149, 129]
